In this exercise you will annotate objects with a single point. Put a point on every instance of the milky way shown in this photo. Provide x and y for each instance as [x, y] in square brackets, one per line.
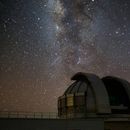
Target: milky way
[44, 42]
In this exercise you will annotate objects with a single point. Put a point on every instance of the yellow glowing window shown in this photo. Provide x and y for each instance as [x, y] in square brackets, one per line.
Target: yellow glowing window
[70, 101]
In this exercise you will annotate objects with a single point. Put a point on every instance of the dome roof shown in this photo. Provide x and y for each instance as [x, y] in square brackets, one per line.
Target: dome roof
[88, 80]
[81, 83]
[116, 82]
[92, 94]
[119, 93]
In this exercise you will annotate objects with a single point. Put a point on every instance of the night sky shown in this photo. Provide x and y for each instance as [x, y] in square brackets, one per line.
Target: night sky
[44, 42]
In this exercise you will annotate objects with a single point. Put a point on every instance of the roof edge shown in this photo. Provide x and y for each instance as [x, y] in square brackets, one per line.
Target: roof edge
[81, 75]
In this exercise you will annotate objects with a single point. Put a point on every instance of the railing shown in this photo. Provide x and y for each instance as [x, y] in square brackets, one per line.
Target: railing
[53, 115]
[34, 115]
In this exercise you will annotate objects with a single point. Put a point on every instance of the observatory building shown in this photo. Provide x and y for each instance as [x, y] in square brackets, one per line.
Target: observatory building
[90, 95]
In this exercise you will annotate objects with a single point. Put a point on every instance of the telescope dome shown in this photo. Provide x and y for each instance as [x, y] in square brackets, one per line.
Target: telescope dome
[89, 94]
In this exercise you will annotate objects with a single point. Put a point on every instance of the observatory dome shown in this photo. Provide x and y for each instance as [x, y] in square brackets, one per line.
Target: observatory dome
[89, 94]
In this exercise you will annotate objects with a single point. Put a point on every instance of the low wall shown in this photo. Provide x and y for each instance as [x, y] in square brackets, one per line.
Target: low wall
[117, 125]
[51, 124]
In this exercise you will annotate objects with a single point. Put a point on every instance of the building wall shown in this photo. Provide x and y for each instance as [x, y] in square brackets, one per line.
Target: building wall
[117, 125]
[51, 124]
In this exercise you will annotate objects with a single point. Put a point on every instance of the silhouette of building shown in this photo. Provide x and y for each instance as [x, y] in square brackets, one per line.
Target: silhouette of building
[90, 96]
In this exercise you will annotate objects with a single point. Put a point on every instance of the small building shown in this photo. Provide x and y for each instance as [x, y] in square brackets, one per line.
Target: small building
[90, 96]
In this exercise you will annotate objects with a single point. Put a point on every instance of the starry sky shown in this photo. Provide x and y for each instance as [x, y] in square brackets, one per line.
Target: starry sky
[44, 42]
